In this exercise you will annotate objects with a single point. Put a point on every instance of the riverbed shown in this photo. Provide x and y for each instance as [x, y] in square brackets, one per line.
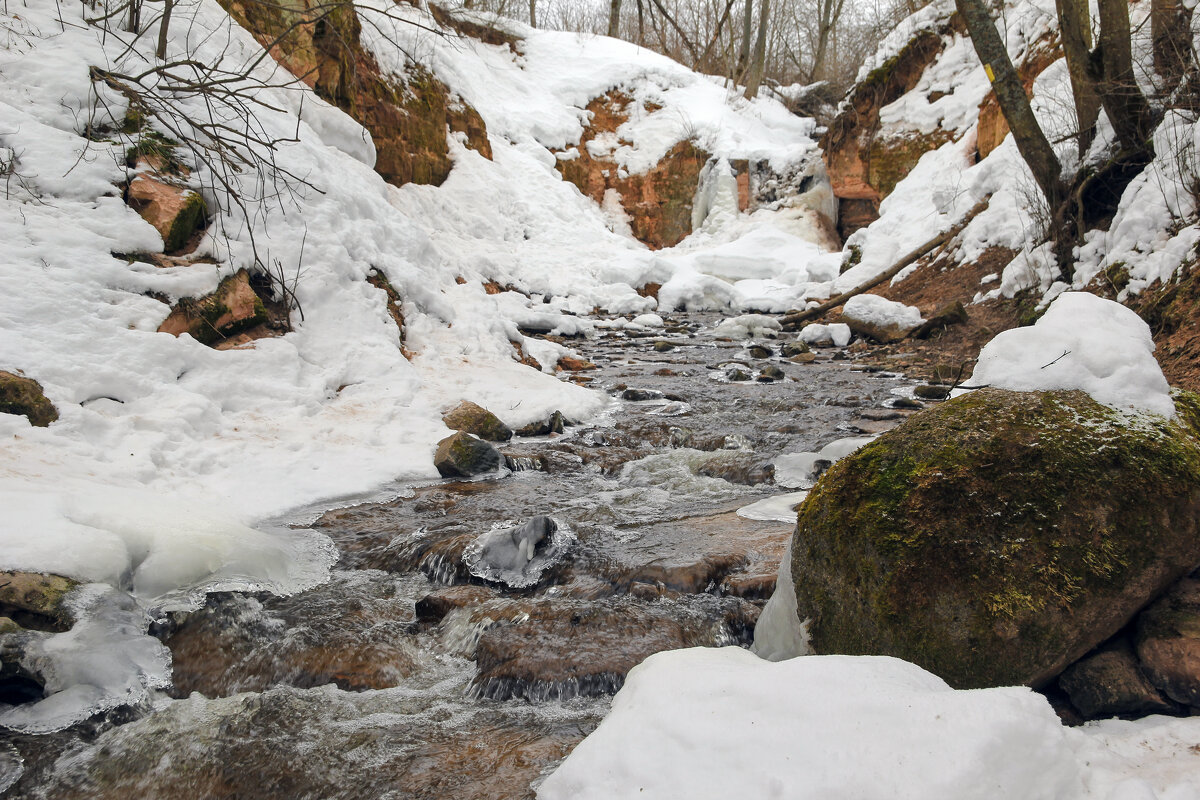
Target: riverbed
[408, 675]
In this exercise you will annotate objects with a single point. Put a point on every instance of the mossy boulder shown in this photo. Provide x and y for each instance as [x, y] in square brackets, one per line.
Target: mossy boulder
[233, 308]
[36, 601]
[462, 455]
[21, 395]
[476, 419]
[999, 537]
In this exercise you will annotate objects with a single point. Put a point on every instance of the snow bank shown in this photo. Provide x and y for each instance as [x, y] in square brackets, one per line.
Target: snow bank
[712, 723]
[881, 312]
[1081, 342]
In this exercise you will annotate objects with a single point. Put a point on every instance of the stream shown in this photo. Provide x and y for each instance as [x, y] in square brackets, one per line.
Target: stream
[409, 676]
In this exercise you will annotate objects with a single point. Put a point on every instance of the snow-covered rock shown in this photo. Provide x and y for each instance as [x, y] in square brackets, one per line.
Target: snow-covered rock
[879, 318]
[1082, 342]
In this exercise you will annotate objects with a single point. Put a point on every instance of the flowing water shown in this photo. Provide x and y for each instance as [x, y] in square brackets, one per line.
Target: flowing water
[408, 676]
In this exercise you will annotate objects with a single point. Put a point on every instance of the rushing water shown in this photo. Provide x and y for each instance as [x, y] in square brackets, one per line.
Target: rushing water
[406, 676]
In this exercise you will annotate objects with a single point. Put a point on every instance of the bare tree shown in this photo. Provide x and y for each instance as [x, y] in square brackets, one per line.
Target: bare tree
[760, 50]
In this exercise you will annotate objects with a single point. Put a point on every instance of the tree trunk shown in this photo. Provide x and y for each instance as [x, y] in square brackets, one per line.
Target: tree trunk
[641, 24]
[1123, 101]
[1170, 26]
[614, 18]
[830, 13]
[1014, 103]
[168, 7]
[533, 13]
[1075, 24]
[760, 51]
[743, 59]
[134, 22]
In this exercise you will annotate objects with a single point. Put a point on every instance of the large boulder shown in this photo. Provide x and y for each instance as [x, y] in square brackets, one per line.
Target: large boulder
[24, 396]
[999, 537]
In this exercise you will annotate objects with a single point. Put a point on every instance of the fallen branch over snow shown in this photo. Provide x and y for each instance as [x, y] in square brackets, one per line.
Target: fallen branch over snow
[794, 320]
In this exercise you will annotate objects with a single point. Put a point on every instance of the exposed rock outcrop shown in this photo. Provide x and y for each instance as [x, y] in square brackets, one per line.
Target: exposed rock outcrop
[999, 537]
[659, 202]
[174, 211]
[462, 455]
[408, 119]
[864, 166]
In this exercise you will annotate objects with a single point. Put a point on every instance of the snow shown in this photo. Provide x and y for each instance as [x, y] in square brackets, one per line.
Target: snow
[881, 312]
[836, 334]
[709, 723]
[1082, 342]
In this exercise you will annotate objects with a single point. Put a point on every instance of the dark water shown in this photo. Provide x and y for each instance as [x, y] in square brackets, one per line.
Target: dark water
[406, 676]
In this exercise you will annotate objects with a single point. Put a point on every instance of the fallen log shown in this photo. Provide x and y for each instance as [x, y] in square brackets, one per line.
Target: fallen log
[791, 321]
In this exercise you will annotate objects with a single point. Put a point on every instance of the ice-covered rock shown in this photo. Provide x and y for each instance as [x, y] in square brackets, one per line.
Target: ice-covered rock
[749, 326]
[518, 555]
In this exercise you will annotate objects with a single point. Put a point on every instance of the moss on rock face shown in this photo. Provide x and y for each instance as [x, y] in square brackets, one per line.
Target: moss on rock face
[999, 537]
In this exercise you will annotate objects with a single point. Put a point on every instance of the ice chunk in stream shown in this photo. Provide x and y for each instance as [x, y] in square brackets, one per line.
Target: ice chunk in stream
[104, 661]
[780, 508]
[518, 555]
[801, 470]
[779, 633]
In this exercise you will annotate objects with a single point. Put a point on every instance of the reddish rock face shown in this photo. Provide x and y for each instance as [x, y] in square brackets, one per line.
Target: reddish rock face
[992, 125]
[174, 211]
[408, 120]
[861, 170]
[659, 203]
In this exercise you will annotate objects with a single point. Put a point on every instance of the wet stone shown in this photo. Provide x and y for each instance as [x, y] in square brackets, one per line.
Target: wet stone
[737, 374]
[462, 455]
[639, 395]
[794, 348]
[663, 347]
[771, 373]
[927, 392]
[759, 351]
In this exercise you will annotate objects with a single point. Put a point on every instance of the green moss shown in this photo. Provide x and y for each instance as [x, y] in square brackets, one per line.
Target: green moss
[191, 217]
[156, 147]
[891, 159]
[978, 526]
